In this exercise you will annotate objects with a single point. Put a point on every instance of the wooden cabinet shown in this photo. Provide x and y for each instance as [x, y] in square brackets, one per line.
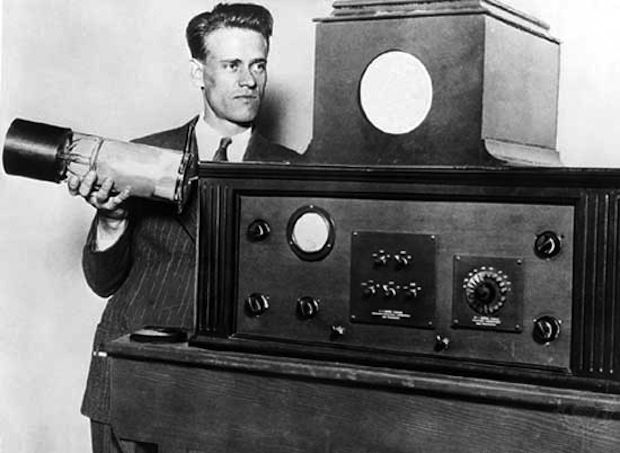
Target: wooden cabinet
[175, 398]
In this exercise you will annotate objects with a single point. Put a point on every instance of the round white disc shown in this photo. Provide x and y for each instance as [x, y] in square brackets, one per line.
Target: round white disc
[396, 92]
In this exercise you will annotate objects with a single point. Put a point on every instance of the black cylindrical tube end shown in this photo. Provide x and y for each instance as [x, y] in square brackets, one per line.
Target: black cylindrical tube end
[35, 150]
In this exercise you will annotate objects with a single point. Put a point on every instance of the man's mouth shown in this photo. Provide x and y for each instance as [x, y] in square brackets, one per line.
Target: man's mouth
[246, 96]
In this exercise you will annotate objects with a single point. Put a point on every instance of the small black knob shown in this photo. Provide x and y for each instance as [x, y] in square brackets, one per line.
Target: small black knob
[547, 245]
[307, 307]
[546, 329]
[256, 304]
[441, 343]
[258, 230]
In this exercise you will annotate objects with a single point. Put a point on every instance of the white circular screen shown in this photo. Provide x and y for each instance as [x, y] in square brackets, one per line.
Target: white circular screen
[311, 232]
[396, 92]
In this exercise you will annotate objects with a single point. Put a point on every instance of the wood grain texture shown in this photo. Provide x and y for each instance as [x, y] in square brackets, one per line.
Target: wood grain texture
[224, 411]
[392, 379]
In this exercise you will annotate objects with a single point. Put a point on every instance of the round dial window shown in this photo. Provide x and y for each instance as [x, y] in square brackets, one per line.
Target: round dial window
[310, 233]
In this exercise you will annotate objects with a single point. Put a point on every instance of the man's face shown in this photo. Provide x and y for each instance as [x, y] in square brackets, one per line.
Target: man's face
[233, 75]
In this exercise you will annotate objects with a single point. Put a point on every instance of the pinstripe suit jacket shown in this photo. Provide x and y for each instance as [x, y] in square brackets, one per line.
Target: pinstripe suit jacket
[150, 269]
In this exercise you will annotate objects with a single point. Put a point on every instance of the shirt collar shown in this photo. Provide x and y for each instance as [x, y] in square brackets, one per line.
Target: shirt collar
[208, 141]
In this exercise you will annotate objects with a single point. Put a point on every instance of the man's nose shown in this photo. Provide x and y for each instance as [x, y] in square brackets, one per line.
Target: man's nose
[246, 78]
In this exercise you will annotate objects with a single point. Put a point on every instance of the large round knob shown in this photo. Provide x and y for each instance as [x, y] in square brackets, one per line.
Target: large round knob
[546, 329]
[307, 307]
[258, 230]
[547, 245]
[486, 290]
[256, 304]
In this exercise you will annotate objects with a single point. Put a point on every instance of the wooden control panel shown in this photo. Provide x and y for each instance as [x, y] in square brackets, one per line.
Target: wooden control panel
[489, 272]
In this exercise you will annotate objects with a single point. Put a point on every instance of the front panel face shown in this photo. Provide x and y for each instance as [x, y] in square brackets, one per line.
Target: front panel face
[364, 112]
[488, 282]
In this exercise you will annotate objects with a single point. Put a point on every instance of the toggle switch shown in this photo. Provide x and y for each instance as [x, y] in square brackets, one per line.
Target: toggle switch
[380, 258]
[413, 291]
[369, 289]
[389, 292]
[403, 259]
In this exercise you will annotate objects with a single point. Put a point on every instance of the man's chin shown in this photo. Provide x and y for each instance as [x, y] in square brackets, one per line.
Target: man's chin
[244, 119]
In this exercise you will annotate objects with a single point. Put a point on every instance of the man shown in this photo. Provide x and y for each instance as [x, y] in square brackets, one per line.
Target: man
[142, 252]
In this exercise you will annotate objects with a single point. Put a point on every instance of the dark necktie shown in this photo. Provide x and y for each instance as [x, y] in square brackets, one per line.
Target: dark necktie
[220, 155]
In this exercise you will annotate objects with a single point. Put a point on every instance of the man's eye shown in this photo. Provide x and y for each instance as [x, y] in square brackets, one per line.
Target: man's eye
[259, 67]
[231, 66]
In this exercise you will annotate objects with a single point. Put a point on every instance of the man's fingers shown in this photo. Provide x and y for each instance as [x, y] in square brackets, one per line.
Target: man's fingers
[73, 183]
[126, 193]
[112, 203]
[103, 193]
[117, 200]
[87, 183]
[100, 198]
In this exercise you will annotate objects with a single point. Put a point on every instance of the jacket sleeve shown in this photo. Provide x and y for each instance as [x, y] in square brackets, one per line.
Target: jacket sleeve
[106, 270]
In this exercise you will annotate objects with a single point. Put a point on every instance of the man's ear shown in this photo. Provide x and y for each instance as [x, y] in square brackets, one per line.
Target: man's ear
[196, 72]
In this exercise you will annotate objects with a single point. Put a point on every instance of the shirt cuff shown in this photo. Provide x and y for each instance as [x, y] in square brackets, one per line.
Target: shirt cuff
[108, 233]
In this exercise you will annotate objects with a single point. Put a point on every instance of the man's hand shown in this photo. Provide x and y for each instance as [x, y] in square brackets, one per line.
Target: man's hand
[109, 207]
[111, 215]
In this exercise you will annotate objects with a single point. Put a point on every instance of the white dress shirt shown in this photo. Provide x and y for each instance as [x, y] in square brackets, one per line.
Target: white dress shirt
[208, 141]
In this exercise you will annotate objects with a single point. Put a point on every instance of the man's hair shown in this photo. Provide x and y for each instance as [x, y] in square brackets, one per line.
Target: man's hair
[234, 15]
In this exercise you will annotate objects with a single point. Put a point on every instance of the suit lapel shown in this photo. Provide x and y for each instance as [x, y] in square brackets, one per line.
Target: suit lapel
[188, 218]
[255, 146]
[254, 152]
